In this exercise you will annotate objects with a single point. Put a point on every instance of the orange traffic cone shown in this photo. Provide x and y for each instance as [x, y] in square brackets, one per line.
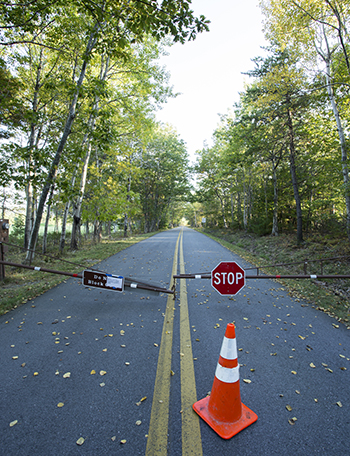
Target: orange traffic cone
[223, 409]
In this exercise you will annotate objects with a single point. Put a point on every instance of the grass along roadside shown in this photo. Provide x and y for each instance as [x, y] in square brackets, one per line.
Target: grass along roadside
[329, 295]
[22, 285]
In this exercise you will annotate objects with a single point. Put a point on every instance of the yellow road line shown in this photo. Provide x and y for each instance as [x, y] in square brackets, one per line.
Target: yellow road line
[191, 434]
[157, 441]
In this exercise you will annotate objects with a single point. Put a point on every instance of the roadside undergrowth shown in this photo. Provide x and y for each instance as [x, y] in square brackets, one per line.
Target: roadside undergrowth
[23, 285]
[282, 255]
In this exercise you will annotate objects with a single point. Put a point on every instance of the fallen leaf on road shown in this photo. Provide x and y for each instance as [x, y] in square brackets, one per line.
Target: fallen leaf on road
[114, 438]
[127, 364]
[289, 408]
[329, 370]
[66, 375]
[60, 404]
[124, 441]
[312, 365]
[301, 337]
[13, 423]
[93, 372]
[103, 372]
[35, 374]
[138, 422]
[339, 404]
[246, 380]
[294, 372]
[292, 420]
[14, 357]
[80, 441]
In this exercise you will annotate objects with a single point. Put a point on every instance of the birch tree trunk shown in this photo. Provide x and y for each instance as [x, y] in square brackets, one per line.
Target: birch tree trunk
[293, 173]
[44, 246]
[56, 160]
[31, 146]
[64, 227]
[343, 146]
[78, 203]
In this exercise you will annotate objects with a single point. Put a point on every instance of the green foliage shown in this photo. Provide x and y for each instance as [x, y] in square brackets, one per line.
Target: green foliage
[17, 229]
[164, 179]
[245, 179]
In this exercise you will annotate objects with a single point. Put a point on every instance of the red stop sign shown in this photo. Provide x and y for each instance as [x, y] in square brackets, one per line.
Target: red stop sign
[228, 278]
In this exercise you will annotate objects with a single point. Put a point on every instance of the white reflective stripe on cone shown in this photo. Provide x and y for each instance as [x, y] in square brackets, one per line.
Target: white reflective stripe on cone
[229, 348]
[227, 375]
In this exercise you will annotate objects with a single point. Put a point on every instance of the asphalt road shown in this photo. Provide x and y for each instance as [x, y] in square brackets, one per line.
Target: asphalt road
[120, 370]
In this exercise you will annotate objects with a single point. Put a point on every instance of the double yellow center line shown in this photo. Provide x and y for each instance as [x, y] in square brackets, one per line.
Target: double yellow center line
[157, 442]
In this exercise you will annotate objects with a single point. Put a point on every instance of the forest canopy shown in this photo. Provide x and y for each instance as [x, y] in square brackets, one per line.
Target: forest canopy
[80, 83]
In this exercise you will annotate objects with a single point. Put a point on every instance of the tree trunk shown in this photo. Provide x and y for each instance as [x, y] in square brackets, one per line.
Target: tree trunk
[294, 174]
[44, 246]
[4, 198]
[97, 231]
[245, 211]
[239, 209]
[29, 210]
[274, 231]
[74, 243]
[64, 227]
[62, 143]
[126, 218]
[232, 205]
[222, 205]
[31, 146]
[77, 205]
[342, 140]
